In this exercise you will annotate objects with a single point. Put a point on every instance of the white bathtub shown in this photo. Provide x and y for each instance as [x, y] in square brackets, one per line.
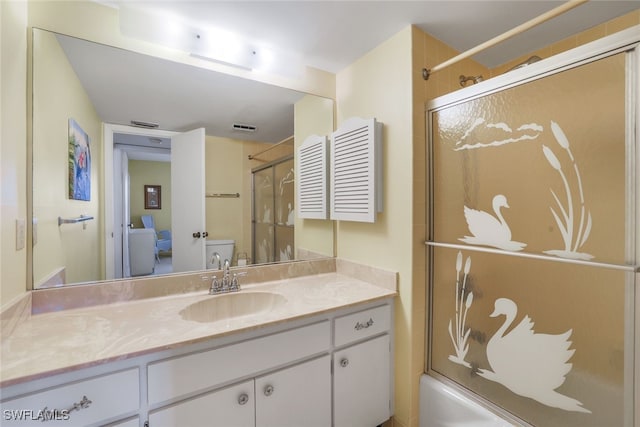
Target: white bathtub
[443, 406]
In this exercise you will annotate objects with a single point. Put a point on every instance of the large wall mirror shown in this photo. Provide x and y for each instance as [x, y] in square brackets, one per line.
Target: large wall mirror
[116, 200]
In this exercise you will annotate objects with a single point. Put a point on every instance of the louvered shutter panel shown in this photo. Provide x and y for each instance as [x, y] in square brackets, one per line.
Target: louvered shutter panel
[312, 178]
[356, 170]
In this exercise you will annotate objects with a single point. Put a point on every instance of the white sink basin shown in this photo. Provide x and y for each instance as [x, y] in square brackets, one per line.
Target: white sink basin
[227, 306]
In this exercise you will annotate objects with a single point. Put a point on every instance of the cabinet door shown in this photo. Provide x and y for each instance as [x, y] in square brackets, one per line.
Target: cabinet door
[295, 396]
[361, 375]
[233, 406]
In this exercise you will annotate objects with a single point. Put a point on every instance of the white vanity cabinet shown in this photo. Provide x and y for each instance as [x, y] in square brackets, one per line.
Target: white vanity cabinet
[362, 369]
[330, 369]
[90, 401]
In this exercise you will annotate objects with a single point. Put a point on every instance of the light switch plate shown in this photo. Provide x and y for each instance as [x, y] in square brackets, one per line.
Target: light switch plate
[21, 232]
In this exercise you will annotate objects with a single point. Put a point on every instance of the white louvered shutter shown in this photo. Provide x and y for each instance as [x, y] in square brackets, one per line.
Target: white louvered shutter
[356, 172]
[312, 178]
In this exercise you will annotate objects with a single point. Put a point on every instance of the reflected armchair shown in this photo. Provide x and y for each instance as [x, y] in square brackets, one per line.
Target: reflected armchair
[163, 237]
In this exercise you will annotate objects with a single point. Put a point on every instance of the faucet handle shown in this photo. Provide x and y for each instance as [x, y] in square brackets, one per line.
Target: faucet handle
[215, 286]
[235, 284]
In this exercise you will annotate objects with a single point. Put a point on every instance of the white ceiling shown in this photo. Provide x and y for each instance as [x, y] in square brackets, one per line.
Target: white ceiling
[327, 34]
[332, 34]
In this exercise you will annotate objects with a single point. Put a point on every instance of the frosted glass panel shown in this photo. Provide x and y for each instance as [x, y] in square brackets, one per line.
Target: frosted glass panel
[284, 243]
[542, 339]
[274, 212]
[284, 192]
[538, 168]
[543, 170]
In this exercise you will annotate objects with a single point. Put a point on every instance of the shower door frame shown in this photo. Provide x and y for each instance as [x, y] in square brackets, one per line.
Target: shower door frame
[624, 41]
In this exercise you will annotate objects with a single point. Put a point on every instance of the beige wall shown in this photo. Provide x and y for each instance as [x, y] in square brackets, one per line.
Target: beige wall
[595, 33]
[226, 172]
[13, 147]
[313, 116]
[379, 85]
[59, 96]
[141, 173]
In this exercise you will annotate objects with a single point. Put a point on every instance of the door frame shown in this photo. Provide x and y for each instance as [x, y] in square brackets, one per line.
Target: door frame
[112, 206]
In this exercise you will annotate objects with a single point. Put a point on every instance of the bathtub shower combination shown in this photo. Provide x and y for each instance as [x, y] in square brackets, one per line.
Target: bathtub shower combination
[533, 241]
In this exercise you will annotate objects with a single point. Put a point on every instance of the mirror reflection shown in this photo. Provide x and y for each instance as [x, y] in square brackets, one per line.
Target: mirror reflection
[143, 166]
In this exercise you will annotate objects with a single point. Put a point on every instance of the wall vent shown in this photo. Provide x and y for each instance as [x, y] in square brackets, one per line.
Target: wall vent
[356, 170]
[244, 128]
[311, 178]
[146, 125]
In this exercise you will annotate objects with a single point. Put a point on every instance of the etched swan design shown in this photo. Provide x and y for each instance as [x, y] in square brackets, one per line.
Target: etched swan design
[490, 230]
[529, 364]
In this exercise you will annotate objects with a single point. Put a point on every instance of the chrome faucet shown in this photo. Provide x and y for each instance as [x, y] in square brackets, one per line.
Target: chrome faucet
[225, 277]
[216, 256]
[228, 283]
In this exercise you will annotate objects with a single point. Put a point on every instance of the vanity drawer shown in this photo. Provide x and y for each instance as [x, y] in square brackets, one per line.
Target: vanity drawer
[362, 324]
[110, 396]
[182, 375]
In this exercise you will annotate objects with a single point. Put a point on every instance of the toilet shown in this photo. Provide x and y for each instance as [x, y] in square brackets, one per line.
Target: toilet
[224, 248]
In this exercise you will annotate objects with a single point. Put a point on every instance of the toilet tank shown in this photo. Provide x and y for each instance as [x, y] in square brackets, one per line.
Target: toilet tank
[223, 247]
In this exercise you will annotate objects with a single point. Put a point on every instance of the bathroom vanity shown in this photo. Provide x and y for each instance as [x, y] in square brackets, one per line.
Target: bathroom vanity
[312, 351]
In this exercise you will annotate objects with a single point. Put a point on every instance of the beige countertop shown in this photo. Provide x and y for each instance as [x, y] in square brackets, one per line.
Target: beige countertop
[61, 341]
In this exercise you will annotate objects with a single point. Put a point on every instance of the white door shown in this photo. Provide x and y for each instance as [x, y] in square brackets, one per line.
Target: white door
[126, 214]
[188, 232]
[121, 218]
[296, 396]
[361, 384]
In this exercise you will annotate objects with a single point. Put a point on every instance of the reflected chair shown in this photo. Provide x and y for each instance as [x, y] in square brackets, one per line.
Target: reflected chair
[163, 237]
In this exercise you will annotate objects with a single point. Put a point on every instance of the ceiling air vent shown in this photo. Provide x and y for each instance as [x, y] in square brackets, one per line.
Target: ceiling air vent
[146, 125]
[244, 128]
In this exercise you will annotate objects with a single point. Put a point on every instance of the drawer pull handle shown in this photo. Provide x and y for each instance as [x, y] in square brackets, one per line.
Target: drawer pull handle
[344, 362]
[360, 326]
[268, 390]
[243, 398]
[53, 414]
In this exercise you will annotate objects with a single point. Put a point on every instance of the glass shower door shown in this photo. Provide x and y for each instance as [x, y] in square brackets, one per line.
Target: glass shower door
[273, 211]
[284, 205]
[263, 207]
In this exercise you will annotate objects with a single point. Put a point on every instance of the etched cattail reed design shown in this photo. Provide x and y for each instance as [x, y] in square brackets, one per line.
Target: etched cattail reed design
[460, 341]
[574, 233]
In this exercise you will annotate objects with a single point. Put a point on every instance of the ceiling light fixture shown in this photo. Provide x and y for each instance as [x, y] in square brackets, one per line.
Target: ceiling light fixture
[209, 44]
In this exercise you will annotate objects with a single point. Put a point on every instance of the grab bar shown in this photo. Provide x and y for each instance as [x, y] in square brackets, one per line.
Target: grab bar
[81, 218]
[223, 195]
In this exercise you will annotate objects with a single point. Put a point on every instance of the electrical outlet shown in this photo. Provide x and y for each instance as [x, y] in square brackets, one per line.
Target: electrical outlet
[21, 232]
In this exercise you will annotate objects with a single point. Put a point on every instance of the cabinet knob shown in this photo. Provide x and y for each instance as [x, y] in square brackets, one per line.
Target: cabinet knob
[344, 362]
[243, 398]
[268, 390]
[196, 235]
